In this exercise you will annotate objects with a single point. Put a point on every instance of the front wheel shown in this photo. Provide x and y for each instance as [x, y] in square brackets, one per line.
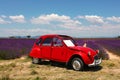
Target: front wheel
[77, 64]
[36, 60]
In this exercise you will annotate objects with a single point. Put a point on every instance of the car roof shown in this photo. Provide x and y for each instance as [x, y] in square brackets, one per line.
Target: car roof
[53, 35]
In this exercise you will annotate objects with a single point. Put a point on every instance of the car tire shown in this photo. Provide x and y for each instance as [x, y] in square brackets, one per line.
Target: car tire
[36, 60]
[77, 64]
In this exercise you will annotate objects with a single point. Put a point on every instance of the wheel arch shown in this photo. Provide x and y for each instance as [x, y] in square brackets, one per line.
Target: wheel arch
[72, 57]
[35, 52]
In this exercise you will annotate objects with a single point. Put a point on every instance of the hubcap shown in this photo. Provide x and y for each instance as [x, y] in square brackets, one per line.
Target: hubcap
[76, 65]
[35, 60]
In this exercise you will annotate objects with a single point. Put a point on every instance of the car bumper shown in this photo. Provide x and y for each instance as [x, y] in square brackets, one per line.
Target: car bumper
[96, 62]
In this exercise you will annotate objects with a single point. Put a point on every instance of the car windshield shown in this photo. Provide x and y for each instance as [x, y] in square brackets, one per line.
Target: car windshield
[68, 41]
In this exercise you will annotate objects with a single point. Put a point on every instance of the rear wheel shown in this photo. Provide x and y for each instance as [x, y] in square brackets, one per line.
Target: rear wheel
[77, 64]
[36, 60]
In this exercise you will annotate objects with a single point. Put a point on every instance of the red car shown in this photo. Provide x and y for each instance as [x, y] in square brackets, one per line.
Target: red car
[62, 48]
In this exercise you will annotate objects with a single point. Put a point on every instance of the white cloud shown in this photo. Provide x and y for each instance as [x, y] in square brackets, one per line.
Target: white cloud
[24, 32]
[3, 16]
[62, 20]
[93, 19]
[46, 19]
[18, 18]
[2, 21]
[114, 19]
[83, 31]
[106, 30]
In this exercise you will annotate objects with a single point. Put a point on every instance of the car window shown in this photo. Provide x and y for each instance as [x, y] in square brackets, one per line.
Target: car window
[57, 42]
[47, 42]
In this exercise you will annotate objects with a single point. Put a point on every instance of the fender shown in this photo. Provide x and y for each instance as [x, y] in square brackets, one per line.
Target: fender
[35, 52]
[86, 59]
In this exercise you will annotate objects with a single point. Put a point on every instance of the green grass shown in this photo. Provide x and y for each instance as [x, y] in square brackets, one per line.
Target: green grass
[23, 69]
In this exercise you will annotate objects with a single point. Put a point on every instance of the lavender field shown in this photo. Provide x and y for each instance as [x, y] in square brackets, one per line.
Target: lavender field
[113, 45]
[14, 48]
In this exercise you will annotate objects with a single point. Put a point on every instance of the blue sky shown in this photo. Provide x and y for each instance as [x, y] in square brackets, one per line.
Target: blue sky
[78, 18]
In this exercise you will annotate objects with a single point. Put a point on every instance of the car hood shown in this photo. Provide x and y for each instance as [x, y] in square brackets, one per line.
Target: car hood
[84, 49]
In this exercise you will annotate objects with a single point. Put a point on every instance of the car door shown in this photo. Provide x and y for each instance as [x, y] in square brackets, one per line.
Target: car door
[57, 50]
[46, 48]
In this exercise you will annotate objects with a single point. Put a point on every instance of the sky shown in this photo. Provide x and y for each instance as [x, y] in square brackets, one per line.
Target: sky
[76, 18]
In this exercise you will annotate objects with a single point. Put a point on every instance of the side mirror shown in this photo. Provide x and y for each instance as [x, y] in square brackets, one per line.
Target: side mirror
[37, 43]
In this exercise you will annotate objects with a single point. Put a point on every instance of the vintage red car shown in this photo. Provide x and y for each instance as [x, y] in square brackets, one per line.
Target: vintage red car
[62, 48]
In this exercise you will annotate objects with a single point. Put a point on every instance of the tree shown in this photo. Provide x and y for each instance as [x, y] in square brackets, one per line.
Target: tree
[12, 37]
[28, 36]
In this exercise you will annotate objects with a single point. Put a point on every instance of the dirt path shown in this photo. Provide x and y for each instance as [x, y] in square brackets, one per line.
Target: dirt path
[111, 55]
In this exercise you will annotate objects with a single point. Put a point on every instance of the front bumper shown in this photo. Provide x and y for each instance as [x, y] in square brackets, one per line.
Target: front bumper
[96, 61]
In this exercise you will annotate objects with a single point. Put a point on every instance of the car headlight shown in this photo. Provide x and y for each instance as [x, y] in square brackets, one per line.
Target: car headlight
[97, 51]
[89, 53]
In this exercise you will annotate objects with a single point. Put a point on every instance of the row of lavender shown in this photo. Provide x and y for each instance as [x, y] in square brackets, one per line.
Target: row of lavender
[13, 48]
[112, 45]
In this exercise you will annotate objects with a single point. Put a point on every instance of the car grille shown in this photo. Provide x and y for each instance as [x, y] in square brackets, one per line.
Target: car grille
[96, 57]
